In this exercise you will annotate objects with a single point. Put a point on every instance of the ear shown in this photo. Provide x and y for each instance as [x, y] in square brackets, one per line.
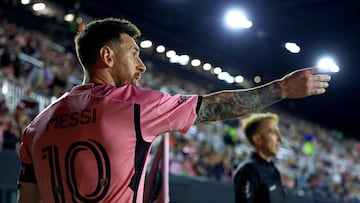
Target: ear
[107, 56]
[256, 139]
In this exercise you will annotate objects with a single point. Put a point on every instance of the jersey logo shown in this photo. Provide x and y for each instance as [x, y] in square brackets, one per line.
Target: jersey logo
[247, 190]
[182, 99]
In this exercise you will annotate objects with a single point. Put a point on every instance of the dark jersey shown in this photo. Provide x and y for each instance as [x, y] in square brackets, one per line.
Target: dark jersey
[258, 181]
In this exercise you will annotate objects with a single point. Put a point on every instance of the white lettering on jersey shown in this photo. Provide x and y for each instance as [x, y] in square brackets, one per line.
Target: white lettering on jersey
[272, 188]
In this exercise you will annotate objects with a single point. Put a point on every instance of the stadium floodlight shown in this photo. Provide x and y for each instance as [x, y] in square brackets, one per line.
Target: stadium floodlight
[160, 49]
[25, 2]
[174, 59]
[170, 53]
[207, 66]
[239, 79]
[257, 79]
[38, 6]
[328, 64]
[69, 17]
[230, 79]
[226, 77]
[236, 19]
[292, 47]
[223, 75]
[195, 62]
[184, 59]
[217, 70]
[145, 44]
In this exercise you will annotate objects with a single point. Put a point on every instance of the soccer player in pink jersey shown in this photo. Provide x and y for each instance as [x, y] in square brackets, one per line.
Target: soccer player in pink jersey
[91, 145]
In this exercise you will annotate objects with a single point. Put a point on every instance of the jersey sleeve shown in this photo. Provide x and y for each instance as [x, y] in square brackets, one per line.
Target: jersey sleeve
[170, 113]
[180, 111]
[246, 182]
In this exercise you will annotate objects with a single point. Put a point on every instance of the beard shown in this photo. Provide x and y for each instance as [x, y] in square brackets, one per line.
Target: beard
[132, 81]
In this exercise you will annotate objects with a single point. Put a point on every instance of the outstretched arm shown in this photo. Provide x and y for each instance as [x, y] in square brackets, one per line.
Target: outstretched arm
[235, 103]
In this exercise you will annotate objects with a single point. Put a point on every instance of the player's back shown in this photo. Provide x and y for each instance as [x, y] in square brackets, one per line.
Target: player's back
[85, 147]
[91, 144]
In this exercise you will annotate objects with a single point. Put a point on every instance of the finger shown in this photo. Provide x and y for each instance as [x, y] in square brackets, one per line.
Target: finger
[315, 70]
[318, 91]
[321, 77]
[323, 69]
[320, 85]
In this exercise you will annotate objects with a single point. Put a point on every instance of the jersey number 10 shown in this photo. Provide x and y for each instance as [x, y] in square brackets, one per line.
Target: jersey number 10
[51, 153]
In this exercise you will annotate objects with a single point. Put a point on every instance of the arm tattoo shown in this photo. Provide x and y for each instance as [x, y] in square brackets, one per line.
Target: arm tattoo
[235, 103]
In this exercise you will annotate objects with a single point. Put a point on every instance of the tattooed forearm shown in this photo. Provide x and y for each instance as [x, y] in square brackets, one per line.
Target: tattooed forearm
[235, 103]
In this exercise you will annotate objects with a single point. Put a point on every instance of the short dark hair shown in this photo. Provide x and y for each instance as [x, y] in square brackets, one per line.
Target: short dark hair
[99, 32]
[251, 125]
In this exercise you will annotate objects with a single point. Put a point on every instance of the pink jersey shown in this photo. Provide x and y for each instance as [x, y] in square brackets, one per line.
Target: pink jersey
[91, 144]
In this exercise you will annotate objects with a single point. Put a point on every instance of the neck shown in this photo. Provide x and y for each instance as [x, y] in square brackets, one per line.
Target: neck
[264, 156]
[101, 77]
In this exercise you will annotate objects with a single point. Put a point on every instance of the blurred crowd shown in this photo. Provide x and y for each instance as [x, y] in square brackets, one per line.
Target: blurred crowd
[313, 160]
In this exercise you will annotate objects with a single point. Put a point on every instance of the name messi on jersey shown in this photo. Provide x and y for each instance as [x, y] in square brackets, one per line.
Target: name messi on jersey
[73, 119]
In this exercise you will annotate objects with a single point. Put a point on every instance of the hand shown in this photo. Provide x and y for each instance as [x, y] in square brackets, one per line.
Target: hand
[304, 82]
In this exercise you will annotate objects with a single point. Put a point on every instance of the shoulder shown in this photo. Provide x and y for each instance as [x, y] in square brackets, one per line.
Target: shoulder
[246, 172]
[247, 167]
[135, 94]
[144, 96]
